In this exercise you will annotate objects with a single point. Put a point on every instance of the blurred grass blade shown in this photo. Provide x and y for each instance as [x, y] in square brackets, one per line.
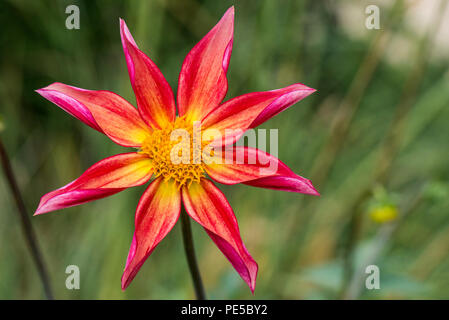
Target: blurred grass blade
[27, 228]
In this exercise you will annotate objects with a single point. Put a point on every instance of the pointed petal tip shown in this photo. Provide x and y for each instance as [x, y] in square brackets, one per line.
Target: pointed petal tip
[122, 25]
[124, 283]
[305, 88]
[40, 209]
[126, 34]
[314, 191]
[251, 282]
[126, 279]
[42, 91]
[300, 87]
[252, 286]
[45, 92]
[43, 208]
[54, 86]
[230, 13]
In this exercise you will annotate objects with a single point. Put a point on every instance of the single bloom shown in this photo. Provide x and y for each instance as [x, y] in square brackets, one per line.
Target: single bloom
[148, 128]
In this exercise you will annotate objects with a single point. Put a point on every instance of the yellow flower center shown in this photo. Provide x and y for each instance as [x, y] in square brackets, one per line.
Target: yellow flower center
[176, 152]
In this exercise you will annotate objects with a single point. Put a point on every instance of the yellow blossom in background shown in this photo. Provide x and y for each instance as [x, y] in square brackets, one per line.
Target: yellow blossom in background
[384, 214]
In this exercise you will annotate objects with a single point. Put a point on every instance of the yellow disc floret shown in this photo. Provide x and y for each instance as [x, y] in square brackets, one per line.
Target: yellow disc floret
[176, 152]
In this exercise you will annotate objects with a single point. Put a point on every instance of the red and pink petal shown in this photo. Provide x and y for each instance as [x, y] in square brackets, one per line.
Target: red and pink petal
[156, 214]
[102, 110]
[293, 183]
[105, 178]
[155, 99]
[239, 164]
[202, 82]
[208, 206]
[250, 110]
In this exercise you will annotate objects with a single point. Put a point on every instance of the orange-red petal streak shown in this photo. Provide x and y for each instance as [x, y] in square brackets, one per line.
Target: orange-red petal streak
[156, 214]
[240, 164]
[202, 82]
[103, 179]
[208, 206]
[249, 110]
[154, 95]
[102, 110]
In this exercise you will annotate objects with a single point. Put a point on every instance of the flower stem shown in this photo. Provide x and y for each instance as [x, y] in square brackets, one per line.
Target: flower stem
[27, 228]
[190, 253]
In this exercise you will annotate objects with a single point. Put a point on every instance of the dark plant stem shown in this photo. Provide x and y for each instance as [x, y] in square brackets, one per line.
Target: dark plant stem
[27, 228]
[191, 258]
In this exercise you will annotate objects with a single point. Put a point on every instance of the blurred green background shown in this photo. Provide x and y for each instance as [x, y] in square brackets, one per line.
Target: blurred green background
[374, 136]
